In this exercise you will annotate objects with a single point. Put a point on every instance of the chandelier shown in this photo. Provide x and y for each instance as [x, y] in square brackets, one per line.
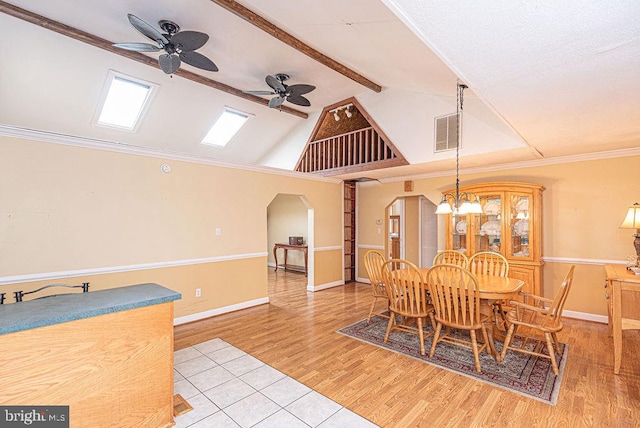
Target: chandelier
[459, 203]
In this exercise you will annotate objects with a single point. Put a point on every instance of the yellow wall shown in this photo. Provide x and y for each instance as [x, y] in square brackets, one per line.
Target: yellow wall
[331, 260]
[65, 208]
[583, 205]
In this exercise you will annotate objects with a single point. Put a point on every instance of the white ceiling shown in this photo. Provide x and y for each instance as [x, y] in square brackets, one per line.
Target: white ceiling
[546, 78]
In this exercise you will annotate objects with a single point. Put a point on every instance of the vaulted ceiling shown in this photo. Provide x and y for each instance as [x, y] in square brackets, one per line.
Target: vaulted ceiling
[546, 79]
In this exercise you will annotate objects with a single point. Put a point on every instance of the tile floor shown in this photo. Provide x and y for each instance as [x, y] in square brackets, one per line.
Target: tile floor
[229, 388]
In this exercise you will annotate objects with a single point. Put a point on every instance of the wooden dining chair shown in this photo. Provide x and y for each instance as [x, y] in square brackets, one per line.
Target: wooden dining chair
[408, 299]
[451, 257]
[373, 261]
[494, 264]
[538, 315]
[489, 263]
[456, 299]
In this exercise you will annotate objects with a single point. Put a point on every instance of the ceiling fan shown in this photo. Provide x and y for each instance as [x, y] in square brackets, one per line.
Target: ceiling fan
[283, 92]
[178, 45]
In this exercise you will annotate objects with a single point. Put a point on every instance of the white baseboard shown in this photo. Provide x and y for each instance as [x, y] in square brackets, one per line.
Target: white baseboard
[324, 286]
[219, 311]
[585, 316]
[365, 280]
[244, 305]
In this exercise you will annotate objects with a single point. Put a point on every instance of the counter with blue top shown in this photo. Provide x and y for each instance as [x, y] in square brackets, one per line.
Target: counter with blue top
[70, 307]
[106, 354]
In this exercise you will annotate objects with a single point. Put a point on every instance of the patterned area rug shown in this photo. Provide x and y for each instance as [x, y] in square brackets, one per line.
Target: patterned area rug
[525, 374]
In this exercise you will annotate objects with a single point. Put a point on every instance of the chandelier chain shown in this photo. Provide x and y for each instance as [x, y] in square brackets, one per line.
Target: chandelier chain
[471, 204]
[459, 108]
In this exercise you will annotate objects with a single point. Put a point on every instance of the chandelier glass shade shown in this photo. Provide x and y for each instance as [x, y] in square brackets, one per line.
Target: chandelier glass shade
[463, 203]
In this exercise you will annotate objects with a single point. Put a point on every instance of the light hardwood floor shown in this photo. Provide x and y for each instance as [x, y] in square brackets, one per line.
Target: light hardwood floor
[295, 333]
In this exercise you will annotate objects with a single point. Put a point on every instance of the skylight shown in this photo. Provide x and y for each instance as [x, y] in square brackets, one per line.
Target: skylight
[124, 102]
[226, 127]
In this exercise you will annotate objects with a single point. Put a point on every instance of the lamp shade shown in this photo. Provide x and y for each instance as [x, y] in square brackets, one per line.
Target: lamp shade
[475, 208]
[632, 219]
[464, 208]
[444, 207]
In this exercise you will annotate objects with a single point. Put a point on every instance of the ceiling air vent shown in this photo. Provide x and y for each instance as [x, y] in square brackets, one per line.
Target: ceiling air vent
[446, 132]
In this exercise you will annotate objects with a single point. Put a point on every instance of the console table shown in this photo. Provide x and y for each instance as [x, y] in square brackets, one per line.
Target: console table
[286, 248]
[106, 354]
[623, 306]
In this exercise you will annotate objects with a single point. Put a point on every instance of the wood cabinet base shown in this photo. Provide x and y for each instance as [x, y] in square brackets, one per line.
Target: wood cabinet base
[111, 370]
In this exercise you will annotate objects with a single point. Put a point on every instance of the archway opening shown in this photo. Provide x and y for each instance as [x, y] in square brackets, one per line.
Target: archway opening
[290, 221]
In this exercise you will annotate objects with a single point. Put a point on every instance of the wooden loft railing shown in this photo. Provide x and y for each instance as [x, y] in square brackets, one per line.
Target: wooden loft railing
[347, 140]
[353, 149]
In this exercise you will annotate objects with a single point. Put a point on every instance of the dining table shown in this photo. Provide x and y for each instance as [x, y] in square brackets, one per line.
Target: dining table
[494, 289]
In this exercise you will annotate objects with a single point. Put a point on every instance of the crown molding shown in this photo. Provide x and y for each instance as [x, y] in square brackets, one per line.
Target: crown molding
[610, 154]
[114, 146]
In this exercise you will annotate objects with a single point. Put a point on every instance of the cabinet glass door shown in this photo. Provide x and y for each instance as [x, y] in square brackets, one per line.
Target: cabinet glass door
[459, 229]
[519, 225]
[489, 231]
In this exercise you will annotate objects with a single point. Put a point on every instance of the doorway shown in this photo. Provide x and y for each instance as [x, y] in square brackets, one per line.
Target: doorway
[412, 230]
[288, 216]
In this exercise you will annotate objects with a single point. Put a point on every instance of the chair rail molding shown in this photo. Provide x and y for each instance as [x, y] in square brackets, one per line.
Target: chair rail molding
[15, 279]
[331, 248]
[371, 247]
[571, 260]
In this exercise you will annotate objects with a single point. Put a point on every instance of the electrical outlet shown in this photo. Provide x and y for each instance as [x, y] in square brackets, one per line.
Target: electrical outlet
[218, 231]
[198, 292]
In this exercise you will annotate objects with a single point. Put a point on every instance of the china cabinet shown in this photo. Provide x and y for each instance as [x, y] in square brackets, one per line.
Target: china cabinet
[510, 224]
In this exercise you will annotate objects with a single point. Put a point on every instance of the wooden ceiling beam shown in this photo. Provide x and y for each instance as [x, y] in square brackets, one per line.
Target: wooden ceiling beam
[96, 41]
[271, 29]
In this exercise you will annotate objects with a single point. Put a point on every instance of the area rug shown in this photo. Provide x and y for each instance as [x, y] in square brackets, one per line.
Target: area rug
[524, 374]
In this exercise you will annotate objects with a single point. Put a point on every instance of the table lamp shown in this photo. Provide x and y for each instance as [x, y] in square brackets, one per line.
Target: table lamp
[632, 221]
